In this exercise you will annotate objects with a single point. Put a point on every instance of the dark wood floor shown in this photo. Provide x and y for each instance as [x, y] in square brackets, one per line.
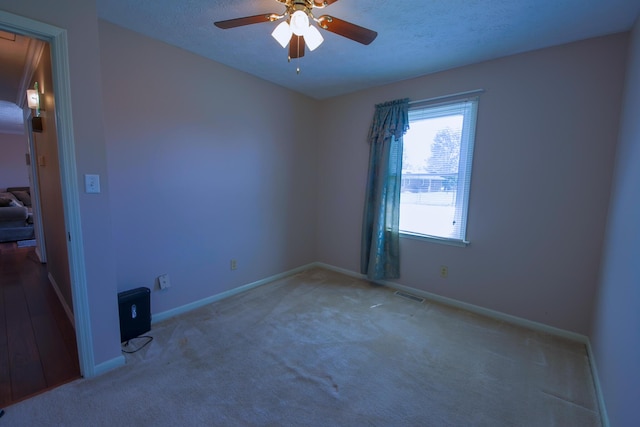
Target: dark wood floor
[37, 341]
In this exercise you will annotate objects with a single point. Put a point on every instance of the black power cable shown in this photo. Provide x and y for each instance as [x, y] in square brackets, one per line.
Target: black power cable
[149, 339]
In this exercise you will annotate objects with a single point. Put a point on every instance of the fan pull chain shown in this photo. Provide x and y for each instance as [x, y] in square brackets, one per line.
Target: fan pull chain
[297, 58]
[297, 65]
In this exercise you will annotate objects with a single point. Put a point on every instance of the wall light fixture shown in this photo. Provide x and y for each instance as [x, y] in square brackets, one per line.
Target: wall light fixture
[33, 100]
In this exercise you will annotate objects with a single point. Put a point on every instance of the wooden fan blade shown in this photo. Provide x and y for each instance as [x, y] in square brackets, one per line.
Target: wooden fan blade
[247, 20]
[347, 29]
[321, 3]
[296, 47]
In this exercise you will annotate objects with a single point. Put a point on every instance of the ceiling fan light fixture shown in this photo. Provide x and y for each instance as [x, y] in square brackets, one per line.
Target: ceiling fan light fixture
[299, 23]
[313, 38]
[282, 33]
[296, 29]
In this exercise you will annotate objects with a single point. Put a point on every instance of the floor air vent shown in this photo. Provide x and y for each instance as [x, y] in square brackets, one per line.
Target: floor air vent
[409, 296]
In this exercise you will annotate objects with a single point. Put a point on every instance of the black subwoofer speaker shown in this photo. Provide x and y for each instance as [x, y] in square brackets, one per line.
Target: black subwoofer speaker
[135, 313]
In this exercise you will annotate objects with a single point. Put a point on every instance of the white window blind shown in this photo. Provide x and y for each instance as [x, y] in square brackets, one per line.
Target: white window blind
[436, 171]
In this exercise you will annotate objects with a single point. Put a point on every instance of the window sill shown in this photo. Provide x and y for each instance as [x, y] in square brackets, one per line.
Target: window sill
[434, 239]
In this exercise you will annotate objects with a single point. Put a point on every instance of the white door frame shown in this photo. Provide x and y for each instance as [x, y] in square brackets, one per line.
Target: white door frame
[57, 39]
[34, 182]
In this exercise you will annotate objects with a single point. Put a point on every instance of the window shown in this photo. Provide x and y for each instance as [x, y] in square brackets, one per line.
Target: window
[436, 170]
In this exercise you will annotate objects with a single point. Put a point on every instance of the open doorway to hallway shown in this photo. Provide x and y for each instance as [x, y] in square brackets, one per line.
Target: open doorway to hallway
[67, 166]
[38, 347]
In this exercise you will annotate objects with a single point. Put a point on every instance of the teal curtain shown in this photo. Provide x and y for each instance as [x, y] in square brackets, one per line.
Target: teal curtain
[380, 247]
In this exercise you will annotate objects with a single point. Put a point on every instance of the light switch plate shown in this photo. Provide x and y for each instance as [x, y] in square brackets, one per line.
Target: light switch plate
[92, 183]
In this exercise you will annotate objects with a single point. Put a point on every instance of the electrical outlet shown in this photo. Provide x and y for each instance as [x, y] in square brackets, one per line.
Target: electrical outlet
[444, 271]
[233, 264]
[163, 281]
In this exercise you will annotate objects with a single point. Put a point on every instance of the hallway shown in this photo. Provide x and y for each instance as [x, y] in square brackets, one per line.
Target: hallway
[37, 341]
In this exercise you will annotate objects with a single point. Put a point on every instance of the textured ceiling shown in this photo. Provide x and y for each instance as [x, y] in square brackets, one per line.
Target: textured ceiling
[13, 53]
[414, 37]
[11, 120]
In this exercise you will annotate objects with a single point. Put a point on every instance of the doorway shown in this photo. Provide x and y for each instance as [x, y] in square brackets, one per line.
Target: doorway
[39, 349]
[61, 90]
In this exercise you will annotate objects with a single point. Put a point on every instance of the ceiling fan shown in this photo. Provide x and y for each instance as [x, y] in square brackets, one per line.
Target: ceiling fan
[296, 30]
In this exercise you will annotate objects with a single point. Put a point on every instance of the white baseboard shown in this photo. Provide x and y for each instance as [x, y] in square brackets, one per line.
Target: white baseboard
[604, 417]
[515, 320]
[159, 317]
[65, 306]
[109, 365]
[120, 360]
[39, 254]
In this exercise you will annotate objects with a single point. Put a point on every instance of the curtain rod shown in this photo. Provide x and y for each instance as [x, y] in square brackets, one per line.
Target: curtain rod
[445, 97]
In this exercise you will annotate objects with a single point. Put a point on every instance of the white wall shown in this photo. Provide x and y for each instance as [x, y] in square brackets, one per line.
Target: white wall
[79, 18]
[616, 326]
[13, 168]
[546, 137]
[206, 164]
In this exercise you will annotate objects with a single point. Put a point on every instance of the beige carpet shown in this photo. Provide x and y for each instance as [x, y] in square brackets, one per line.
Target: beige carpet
[323, 349]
